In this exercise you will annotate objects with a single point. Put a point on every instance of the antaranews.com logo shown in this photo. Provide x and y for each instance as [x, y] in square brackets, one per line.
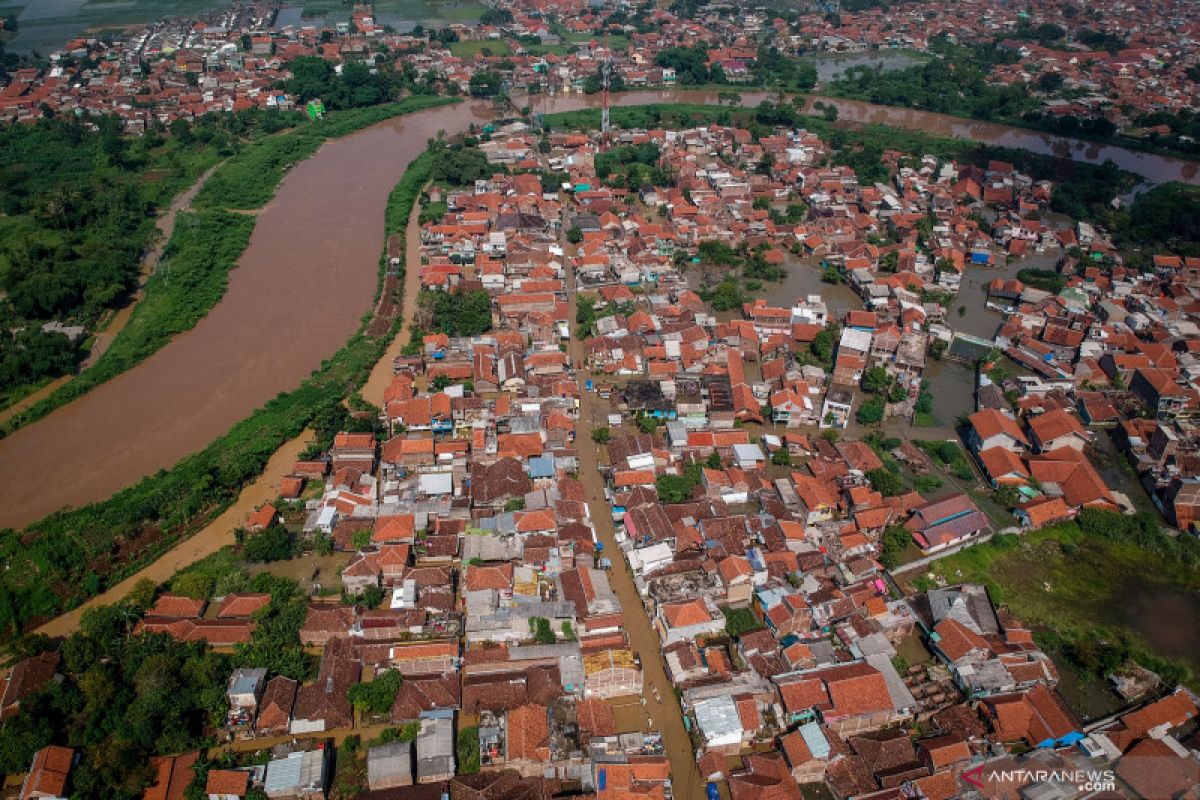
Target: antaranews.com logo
[984, 778]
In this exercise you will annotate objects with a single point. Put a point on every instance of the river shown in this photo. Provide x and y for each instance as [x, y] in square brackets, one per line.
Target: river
[299, 292]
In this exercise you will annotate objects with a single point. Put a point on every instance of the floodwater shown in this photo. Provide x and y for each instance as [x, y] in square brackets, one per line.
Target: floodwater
[299, 291]
[665, 716]
[832, 66]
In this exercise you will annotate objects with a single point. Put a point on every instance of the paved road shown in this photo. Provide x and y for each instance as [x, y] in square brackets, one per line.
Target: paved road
[667, 716]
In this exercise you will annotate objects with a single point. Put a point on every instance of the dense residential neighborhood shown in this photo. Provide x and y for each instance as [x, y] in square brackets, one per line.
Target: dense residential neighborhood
[696, 466]
[611, 470]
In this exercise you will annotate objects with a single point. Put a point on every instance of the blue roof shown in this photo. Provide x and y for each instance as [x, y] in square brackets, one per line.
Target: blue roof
[816, 742]
[541, 467]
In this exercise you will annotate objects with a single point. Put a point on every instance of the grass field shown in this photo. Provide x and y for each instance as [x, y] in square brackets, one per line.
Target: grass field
[1064, 579]
[489, 47]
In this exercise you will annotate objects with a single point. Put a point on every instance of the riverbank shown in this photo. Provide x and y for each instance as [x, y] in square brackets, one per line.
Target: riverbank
[197, 259]
[106, 540]
[1152, 167]
[217, 534]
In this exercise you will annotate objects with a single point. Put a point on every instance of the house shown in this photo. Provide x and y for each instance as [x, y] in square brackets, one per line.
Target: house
[30, 675]
[611, 672]
[1159, 391]
[245, 689]
[719, 722]
[227, 784]
[1042, 512]
[1057, 428]
[991, 428]
[949, 522]
[275, 708]
[172, 776]
[303, 775]
[687, 619]
[435, 749]
[389, 766]
[849, 698]
[1038, 717]
[1004, 467]
[323, 704]
[49, 774]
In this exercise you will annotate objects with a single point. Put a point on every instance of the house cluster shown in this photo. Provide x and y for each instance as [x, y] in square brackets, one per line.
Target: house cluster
[1113, 350]
[901, 245]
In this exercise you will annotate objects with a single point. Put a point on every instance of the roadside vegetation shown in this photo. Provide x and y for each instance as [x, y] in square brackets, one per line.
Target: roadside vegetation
[207, 244]
[60, 561]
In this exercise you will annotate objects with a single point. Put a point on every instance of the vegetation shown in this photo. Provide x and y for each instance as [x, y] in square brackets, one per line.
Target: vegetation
[949, 455]
[275, 644]
[1088, 580]
[457, 313]
[1045, 279]
[870, 412]
[376, 696]
[601, 435]
[740, 620]
[358, 86]
[123, 699]
[76, 214]
[896, 540]
[466, 750]
[886, 482]
[205, 246]
[541, 631]
[678, 488]
[270, 544]
[59, 561]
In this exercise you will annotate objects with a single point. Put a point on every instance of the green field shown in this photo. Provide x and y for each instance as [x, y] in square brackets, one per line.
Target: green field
[1066, 580]
[471, 49]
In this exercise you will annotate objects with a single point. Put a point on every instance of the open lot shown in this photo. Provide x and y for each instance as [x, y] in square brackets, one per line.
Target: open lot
[1063, 579]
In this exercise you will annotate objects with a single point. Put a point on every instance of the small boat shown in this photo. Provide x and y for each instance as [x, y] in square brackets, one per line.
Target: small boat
[654, 691]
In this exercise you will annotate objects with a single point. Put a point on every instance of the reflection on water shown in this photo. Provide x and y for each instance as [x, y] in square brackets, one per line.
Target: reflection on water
[834, 65]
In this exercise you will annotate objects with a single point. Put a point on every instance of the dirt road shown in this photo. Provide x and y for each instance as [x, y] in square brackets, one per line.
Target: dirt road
[667, 716]
[205, 543]
[381, 375]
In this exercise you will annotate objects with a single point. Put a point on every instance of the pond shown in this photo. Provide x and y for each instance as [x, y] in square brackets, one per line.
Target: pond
[832, 66]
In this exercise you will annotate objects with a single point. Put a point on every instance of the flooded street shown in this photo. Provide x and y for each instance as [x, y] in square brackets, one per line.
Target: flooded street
[666, 716]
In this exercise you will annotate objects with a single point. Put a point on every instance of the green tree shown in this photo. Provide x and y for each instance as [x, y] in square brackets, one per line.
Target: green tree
[273, 543]
[601, 435]
[376, 696]
[885, 482]
[876, 379]
[870, 412]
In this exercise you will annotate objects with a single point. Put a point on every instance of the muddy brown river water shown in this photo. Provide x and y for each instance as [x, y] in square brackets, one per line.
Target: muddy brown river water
[300, 290]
